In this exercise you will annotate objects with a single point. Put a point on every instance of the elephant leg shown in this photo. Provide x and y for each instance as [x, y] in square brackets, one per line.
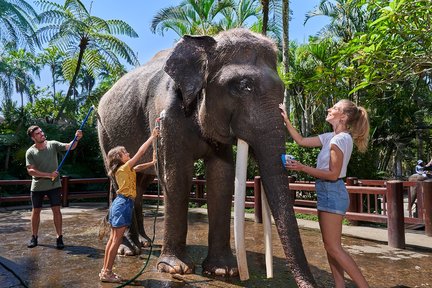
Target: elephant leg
[128, 247]
[135, 237]
[220, 188]
[173, 258]
[413, 197]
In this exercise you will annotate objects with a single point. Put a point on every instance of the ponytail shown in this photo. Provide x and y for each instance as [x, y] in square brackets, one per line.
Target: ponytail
[358, 124]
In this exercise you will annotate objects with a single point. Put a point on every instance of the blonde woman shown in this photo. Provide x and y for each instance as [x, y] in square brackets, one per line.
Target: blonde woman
[350, 126]
[122, 168]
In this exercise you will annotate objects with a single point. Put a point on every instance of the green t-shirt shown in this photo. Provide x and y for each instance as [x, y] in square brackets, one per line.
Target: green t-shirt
[45, 161]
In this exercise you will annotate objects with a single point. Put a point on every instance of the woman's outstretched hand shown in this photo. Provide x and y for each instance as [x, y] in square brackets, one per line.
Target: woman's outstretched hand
[294, 165]
[283, 112]
[155, 132]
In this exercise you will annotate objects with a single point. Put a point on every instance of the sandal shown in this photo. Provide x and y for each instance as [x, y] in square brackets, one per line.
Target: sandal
[109, 276]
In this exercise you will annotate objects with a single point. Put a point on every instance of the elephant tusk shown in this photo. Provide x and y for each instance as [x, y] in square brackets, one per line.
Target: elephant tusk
[239, 208]
[267, 224]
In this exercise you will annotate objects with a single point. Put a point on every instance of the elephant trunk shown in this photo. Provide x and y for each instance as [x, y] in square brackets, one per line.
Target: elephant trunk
[281, 202]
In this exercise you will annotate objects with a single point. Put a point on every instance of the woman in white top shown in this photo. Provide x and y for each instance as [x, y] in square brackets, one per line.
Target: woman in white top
[350, 124]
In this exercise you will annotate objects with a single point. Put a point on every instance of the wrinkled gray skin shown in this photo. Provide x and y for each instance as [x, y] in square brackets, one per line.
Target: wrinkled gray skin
[413, 190]
[213, 91]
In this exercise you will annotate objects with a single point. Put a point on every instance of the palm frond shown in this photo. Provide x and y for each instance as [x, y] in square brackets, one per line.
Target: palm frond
[120, 27]
[68, 67]
[110, 42]
[16, 23]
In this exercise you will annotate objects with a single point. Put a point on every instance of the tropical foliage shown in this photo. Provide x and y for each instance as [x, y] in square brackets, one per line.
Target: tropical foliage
[85, 39]
[16, 22]
[374, 52]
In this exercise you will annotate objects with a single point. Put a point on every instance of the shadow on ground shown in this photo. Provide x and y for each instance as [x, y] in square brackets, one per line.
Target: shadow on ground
[79, 263]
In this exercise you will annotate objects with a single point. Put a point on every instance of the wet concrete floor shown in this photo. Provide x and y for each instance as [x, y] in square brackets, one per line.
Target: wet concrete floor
[79, 263]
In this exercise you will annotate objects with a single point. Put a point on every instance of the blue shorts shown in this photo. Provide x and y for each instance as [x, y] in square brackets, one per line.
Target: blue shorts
[120, 213]
[332, 196]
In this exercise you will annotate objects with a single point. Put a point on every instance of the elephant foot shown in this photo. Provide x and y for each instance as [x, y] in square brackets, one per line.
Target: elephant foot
[173, 265]
[144, 240]
[128, 248]
[221, 266]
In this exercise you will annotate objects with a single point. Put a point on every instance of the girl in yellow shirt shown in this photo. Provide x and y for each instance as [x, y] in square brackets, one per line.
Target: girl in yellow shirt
[122, 167]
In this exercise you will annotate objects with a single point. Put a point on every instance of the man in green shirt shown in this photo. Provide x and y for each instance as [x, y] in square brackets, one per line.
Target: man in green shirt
[42, 163]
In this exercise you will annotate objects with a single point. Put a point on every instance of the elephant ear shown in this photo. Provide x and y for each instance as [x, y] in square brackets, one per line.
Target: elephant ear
[187, 65]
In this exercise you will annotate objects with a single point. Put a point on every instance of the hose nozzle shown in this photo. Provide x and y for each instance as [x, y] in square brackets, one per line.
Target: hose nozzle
[160, 118]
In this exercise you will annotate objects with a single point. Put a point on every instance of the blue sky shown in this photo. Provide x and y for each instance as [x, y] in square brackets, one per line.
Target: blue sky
[139, 13]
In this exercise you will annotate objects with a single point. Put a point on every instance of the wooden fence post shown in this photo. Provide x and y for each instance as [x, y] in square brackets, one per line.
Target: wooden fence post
[257, 199]
[355, 199]
[65, 191]
[427, 206]
[395, 214]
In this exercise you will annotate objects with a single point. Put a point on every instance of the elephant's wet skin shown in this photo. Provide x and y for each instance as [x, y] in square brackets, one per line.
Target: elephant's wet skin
[128, 246]
[173, 265]
[221, 266]
[212, 91]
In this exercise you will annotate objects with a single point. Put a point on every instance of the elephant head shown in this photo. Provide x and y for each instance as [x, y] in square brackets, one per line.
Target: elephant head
[231, 83]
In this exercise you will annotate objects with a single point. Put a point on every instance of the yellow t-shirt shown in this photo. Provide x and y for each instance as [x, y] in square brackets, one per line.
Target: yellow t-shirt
[126, 181]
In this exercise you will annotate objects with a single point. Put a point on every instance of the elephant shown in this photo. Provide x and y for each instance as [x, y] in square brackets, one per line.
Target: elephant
[413, 191]
[209, 91]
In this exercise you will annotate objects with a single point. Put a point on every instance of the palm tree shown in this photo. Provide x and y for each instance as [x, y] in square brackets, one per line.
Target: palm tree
[191, 17]
[285, 48]
[6, 83]
[265, 8]
[346, 18]
[16, 24]
[238, 15]
[19, 68]
[52, 56]
[84, 38]
[270, 22]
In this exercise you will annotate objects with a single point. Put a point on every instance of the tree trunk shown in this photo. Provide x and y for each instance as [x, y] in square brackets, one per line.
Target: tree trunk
[83, 46]
[265, 9]
[286, 50]
[6, 166]
[53, 85]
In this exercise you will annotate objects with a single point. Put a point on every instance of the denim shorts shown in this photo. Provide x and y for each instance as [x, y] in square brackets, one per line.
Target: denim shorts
[120, 213]
[332, 196]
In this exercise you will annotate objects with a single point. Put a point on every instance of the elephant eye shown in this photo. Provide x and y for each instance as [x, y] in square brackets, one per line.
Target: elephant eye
[243, 86]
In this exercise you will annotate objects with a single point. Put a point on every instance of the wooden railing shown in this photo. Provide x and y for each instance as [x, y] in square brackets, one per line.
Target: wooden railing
[374, 201]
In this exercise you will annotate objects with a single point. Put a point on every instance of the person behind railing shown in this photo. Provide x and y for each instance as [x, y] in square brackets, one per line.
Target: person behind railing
[42, 163]
[423, 170]
[349, 122]
[123, 169]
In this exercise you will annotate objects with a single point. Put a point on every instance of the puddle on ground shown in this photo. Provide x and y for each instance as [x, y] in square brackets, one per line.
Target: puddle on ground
[79, 263]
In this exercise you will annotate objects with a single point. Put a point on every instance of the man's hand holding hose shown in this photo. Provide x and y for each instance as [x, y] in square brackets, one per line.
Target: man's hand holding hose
[71, 146]
[78, 136]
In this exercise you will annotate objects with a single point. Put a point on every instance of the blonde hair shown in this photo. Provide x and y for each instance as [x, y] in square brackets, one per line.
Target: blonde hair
[114, 159]
[358, 123]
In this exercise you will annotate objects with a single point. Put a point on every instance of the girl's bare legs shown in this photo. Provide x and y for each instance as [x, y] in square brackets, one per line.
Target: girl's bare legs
[112, 246]
[339, 260]
[337, 272]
